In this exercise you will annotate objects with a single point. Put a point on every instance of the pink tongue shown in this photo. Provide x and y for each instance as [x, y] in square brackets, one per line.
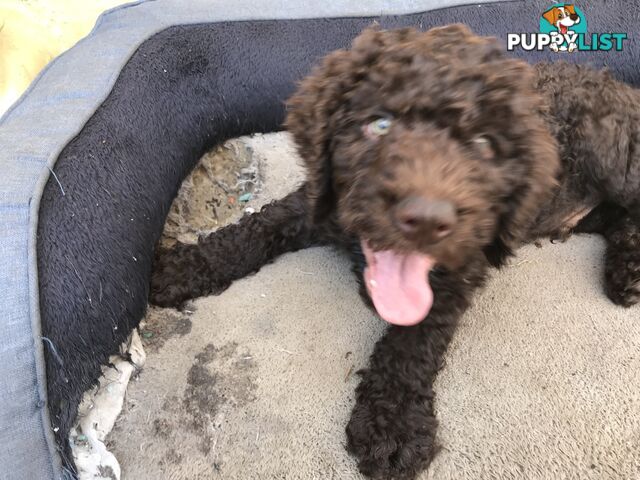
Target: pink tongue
[399, 285]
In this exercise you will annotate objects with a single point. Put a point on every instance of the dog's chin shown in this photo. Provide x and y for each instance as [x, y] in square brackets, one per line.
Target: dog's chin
[398, 284]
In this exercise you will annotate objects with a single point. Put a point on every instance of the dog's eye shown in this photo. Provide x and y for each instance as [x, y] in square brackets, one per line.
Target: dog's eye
[484, 146]
[379, 127]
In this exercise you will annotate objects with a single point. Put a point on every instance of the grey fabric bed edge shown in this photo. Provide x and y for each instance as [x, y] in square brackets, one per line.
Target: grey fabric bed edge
[95, 150]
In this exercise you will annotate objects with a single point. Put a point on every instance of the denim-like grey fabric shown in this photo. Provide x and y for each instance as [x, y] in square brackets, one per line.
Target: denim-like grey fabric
[63, 99]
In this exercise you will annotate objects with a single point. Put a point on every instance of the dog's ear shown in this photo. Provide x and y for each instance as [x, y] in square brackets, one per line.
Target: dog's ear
[551, 15]
[316, 108]
[532, 189]
[571, 9]
[310, 109]
[313, 112]
[533, 169]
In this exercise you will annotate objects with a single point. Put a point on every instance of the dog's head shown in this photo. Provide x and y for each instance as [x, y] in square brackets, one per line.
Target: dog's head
[562, 17]
[429, 148]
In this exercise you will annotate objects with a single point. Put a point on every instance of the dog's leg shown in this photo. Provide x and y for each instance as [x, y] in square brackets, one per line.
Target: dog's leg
[622, 261]
[621, 229]
[187, 271]
[392, 427]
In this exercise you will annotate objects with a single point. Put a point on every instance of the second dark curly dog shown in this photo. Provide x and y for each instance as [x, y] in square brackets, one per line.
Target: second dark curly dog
[431, 157]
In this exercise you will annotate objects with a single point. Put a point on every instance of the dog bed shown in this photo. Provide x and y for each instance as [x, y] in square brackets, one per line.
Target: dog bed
[94, 152]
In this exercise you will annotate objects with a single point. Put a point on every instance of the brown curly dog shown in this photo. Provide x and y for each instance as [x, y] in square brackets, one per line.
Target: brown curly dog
[431, 157]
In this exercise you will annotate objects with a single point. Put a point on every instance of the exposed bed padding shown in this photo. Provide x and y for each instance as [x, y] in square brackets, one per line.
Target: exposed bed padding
[94, 152]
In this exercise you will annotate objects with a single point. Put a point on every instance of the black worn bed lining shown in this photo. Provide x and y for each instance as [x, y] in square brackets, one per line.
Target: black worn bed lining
[185, 90]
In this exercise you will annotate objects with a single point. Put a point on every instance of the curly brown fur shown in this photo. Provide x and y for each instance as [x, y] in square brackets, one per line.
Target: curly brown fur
[188, 271]
[622, 262]
[513, 152]
[445, 86]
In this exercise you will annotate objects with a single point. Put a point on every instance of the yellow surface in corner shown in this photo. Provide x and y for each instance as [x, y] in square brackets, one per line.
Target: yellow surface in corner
[32, 32]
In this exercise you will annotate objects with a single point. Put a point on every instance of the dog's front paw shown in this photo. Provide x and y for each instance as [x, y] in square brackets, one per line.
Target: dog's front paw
[622, 265]
[622, 278]
[572, 47]
[391, 441]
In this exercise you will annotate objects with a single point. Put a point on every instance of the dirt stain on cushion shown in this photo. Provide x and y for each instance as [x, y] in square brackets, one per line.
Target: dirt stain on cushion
[161, 324]
[219, 377]
[213, 194]
[220, 380]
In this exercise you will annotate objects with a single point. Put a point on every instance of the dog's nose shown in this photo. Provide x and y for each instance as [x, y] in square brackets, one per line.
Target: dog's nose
[424, 219]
